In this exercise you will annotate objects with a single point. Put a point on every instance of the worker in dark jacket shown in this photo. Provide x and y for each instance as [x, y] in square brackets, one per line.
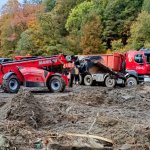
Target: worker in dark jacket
[72, 75]
[76, 75]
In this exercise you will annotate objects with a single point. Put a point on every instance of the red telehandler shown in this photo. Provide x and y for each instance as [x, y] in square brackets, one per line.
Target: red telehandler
[34, 72]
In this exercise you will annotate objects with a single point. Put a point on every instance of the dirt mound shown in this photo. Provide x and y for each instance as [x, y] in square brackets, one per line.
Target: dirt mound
[88, 96]
[122, 131]
[135, 98]
[24, 107]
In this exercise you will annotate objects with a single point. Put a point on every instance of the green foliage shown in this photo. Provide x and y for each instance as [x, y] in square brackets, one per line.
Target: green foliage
[118, 16]
[53, 26]
[73, 26]
[91, 42]
[146, 6]
[77, 16]
[25, 44]
[117, 45]
[140, 31]
[50, 4]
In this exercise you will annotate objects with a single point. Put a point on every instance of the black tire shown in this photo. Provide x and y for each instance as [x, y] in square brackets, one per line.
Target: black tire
[11, 85]
[56, 84]
[81, 81]
[131, 81]
[88, 80]
[109, 82]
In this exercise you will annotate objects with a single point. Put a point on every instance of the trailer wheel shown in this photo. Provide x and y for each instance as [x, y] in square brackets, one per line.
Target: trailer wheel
[88, 80]
[11, 85]
[56, 84]
[109, 82]
[131, 81]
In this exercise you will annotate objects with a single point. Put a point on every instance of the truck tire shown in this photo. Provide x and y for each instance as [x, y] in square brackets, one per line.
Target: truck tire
[88, 80]
[81, 81]
[109, 82]
[56, 84]
[131, 81]
[11, 85]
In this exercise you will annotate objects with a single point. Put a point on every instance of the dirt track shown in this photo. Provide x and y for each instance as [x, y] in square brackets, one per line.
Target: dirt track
[120, 114]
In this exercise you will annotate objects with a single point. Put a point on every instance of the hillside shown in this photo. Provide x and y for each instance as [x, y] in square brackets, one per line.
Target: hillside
[49, 27]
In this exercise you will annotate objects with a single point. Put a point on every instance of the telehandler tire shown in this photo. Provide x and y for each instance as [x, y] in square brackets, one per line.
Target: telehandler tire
[11, 85]
[56, 84]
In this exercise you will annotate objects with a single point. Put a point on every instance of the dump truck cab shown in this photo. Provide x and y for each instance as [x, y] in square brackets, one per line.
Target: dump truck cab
[139, 62]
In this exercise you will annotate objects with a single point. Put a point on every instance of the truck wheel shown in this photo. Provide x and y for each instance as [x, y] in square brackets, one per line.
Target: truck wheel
[88, 80]
[109, 82]
[56, 84]
[11, 85]
[81, 81]
[131, 81]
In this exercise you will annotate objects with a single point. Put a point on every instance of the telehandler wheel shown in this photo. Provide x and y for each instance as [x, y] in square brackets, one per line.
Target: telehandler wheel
[131, 81]
[88, 80]
[11, 85]
[56, 84]
[109, 82]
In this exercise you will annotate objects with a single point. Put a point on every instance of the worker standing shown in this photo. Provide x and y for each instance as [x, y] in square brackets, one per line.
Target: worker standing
[76, 75]
[72, 76]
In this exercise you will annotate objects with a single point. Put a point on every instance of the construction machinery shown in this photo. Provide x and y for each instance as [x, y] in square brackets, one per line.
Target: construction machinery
[34, 72]
[127, 69]
[101, 69]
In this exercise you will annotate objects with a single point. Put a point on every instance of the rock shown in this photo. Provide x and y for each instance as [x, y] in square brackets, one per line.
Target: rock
[4, 143]
[126, 147]
[127, 97]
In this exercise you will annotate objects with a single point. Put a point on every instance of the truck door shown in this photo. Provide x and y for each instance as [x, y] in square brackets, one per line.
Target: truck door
[136, 61]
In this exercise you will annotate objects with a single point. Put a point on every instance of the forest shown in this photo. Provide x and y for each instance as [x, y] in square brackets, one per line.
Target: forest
[50, 27]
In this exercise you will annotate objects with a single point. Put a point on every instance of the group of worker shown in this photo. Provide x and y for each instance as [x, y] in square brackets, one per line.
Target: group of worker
[73, 74]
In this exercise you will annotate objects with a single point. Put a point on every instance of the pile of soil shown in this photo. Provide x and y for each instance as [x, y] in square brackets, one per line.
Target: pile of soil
[24, 107]
[88, 96]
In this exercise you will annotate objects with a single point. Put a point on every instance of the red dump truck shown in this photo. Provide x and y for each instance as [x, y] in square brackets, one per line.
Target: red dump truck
[129, 68]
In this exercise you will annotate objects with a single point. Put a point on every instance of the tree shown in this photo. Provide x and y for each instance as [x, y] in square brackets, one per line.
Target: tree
[118, 16]
[15, 20]
[53, 26]
[146, 6]
[25, 44]
[77, 16]
[91, 42]
[50, 4]
[117, 45]
[74, 25]
[140, 31]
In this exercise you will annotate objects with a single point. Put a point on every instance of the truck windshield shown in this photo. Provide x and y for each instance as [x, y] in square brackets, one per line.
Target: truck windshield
[147, 56]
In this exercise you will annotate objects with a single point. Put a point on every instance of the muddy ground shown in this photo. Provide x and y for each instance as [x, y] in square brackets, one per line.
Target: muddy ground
[120, 114]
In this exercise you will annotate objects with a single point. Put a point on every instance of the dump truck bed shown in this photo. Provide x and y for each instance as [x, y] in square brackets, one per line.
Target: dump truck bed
[112, 61]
